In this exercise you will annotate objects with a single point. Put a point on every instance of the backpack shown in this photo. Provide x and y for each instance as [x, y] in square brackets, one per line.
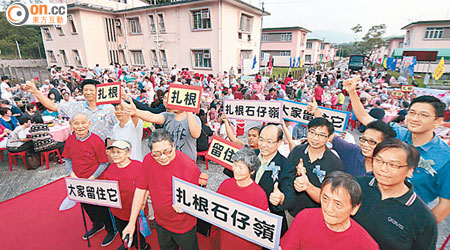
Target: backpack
[33, 160]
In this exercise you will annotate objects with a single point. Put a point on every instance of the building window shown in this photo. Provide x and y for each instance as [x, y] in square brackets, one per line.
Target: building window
[265, 37]
[285, 53]
[152, 23]
[138, 57]
[309, 45]
[322, 46]
[201, 19]
[162, 25]
[202, 58]
[64, 57]
[400, 44]
[434, 33]
[118, 25]
[47, 34]
[51, 56]
[308, 58]
[163, 57]
[245, 23]
[154, 59]
[135, 26]
[286, 37]
[76, 56]
[59, 30]
[321, 56]
[73, 29]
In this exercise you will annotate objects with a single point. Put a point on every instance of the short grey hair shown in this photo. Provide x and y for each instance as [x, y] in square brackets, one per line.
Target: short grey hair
[159, 135]
[248, 157]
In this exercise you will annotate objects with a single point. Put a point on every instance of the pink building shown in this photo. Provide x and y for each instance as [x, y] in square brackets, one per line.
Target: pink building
[207, 36]
[394, 43]
[427, 36]
[318, 51]
[284, 41]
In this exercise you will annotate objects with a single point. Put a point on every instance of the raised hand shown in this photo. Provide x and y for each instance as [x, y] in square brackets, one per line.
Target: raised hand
[276, 197]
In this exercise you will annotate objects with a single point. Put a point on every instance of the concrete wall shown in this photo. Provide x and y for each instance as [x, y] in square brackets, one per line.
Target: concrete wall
[25, 69]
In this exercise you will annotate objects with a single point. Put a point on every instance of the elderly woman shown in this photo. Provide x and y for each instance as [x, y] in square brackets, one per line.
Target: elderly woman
[126, 172]
[244, 189]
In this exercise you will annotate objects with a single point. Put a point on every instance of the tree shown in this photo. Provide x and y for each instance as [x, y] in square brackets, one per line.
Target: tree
[28, 36]
[346, 49]
[372, 40]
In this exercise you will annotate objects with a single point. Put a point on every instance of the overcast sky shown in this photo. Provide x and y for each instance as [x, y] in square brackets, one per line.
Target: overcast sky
[333, 19]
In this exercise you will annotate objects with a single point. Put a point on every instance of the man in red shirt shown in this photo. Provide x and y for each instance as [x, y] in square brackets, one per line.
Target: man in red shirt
[85, 157]
[331, 227]
[318, 92]
[175, 229]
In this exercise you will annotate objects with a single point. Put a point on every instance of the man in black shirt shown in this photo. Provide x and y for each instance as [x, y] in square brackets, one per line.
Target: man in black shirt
[391, 212]
[313, 160]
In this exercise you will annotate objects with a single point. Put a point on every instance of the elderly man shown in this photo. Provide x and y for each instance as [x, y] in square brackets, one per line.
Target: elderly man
[175, 229]
[276, 173]
[391, 211]
[85, 157]
[431, 178]
[102, 116]
[330, 227]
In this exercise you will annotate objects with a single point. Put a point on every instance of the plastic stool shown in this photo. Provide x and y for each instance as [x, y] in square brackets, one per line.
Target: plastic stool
[203, 153]
[11, 158]
[46, 156]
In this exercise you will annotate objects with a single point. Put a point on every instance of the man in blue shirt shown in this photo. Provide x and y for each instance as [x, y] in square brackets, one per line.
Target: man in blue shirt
[432, 177]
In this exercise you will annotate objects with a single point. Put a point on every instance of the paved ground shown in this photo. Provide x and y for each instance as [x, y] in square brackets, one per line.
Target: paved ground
[21, 181]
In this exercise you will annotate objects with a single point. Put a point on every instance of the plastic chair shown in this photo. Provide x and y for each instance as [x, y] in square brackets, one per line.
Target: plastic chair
[203, 153]
[146, 132]
[12, 158]
[46, 155]
[1, 153]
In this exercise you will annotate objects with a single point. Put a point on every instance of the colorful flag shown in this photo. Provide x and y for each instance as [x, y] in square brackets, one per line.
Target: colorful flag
[298, 62]
[439, 71]
[290, 62]
[411, 67]
[384, 63]
[294, 62]
[301, 62]
[270, 65]
[254, 62]
[393, 65]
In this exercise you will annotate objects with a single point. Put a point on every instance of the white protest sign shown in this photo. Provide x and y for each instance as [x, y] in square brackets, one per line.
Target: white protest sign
[97, 192]
[296, 111]
[263, 111]
[248, 222]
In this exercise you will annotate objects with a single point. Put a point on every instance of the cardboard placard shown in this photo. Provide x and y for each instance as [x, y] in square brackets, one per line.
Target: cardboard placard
[248, 222]
[108, 93]
[396, 93]
[96, 192]
[184, 97]
[221, 151]
[262, 111]
[296, 112]
[407, 88]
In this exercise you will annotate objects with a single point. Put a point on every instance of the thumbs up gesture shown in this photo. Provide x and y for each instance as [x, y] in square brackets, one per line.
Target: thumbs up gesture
[129, 108]
[276, 197]
[301, 183]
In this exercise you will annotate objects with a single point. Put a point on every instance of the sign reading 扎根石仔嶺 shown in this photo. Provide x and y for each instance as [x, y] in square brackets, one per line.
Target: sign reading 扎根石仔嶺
[296, 112]
[108, 93]
[97, 192]
[248, 222]
[184, 97]
[263, 111]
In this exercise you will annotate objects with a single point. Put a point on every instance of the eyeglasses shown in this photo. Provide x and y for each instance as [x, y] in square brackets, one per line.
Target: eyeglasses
[363, 139]
[166, 152]
[262, 141]
[422, 115]
[391, 165]
[321, 136]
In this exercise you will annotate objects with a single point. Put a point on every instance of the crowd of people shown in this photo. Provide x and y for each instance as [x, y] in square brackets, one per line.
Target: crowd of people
[331, 192]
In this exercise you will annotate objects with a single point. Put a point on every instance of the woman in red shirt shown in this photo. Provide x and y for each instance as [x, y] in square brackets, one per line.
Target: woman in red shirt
[244, 189]
[126, 172]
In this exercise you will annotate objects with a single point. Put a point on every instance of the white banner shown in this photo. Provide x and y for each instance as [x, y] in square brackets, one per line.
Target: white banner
[263, 111]
[296, 111]
[439, 93]
[248, 222]
[97, 192]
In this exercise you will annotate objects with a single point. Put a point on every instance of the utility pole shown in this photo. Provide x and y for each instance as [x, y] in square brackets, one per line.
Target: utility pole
[260, 39]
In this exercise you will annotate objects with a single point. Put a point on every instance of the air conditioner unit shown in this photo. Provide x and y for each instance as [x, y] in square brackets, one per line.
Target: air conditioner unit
[207, 56]
[117, 23]
[57, 26]
[69, 17]
[205, 15]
